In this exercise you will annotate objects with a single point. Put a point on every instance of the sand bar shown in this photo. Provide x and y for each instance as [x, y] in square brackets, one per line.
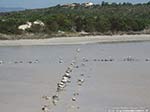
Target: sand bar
[76, 40]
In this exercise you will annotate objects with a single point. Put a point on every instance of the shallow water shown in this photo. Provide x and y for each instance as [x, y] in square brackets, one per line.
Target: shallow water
[29, 72]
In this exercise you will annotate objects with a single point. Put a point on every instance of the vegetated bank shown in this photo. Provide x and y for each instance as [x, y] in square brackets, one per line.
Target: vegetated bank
[75, 20]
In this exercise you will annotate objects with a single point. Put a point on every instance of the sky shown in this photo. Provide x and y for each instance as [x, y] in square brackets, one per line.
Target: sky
[30, 4]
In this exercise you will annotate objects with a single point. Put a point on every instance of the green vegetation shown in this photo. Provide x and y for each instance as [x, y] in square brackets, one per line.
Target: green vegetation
[100, 19]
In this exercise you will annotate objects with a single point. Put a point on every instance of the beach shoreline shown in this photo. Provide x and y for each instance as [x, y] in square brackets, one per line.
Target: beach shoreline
[77, 40]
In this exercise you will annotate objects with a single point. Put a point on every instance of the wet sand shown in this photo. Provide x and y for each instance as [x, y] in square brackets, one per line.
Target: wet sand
[77, 40]
[103, 77]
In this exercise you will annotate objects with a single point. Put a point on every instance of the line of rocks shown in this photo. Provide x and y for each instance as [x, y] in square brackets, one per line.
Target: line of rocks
[126, 59]
[61, 85]
[20, 62]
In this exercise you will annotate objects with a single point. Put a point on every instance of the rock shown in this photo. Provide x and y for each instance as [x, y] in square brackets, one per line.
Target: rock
[46, 97]
[67, 75]
[55, 99]
[81, 74]
[1, 62]
[75, 94]
[73, 99]
[80, 81]
[147, 59]
[78, 50]
[45, 108]
[65, 79]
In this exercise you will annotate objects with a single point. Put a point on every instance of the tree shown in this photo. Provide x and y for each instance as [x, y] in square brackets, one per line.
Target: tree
[79, 23]
[102, 24]
[104, 3]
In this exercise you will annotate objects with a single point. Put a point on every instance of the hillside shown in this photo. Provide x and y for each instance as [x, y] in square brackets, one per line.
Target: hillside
[79, 18]
[9, 9]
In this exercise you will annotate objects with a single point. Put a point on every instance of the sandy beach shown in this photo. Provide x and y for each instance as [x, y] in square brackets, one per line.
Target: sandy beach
[76, 40]
[101, 77]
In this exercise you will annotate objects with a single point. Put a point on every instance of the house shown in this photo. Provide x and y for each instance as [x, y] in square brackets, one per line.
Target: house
[25, 26]
[38, 22]
[71, 5]
[88, 4]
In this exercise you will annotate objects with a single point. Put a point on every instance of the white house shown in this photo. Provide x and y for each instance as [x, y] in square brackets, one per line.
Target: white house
[25, 26]
[88, 4]
[38, 22]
